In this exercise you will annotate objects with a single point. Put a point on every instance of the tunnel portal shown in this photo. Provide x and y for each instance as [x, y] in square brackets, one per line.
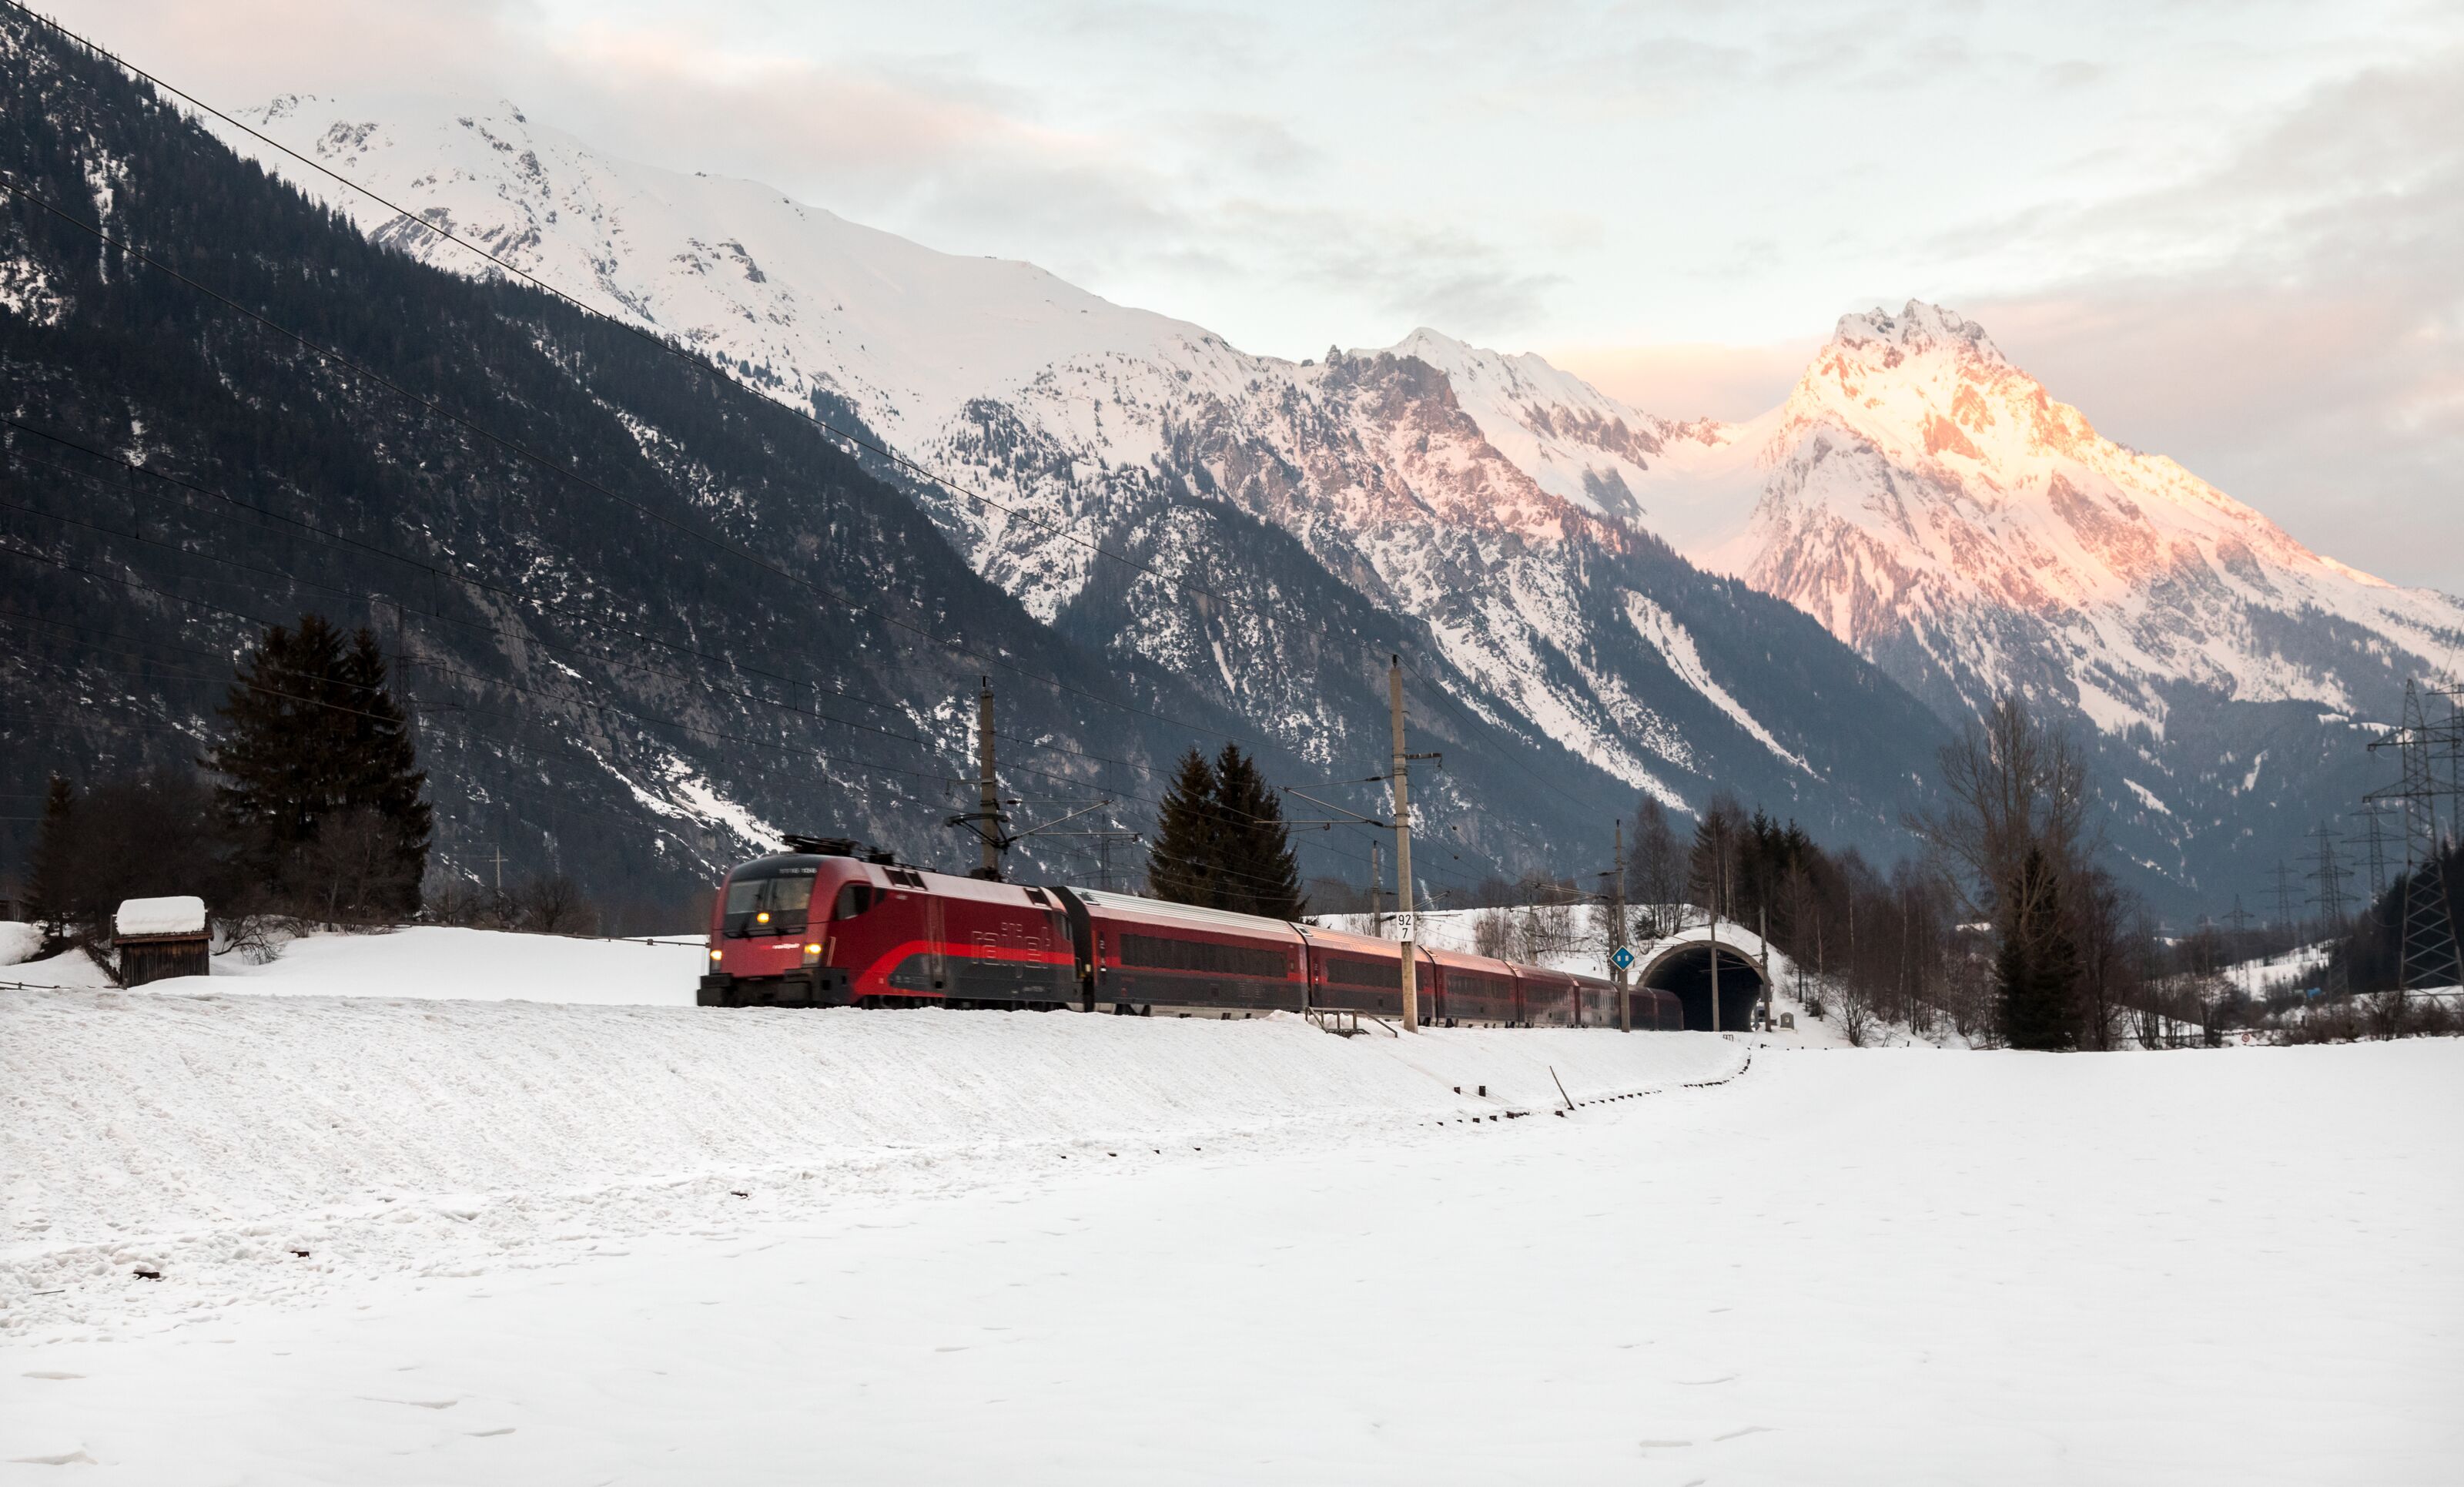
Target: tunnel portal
[1684, 970]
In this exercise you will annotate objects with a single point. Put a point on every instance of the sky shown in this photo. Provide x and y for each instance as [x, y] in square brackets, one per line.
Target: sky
[2232, 234]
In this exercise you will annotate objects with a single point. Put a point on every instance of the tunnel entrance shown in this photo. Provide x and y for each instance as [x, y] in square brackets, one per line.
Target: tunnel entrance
[1684, 972]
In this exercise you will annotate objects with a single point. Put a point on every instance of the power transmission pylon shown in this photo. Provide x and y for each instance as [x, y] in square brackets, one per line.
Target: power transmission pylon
[2375, 848]
[2329, 875]
[2429, 956]
[2284, 896]
[2447, 733]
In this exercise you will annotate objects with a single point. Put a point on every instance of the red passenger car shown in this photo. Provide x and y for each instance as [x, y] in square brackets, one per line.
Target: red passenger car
[1471, 989]
[1357, 973]
[1147, 953]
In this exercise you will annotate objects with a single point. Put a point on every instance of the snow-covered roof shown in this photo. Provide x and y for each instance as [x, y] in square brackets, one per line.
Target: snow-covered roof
[181, 914]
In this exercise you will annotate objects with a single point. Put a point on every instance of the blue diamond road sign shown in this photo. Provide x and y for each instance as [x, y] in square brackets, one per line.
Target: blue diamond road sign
[1623, 958]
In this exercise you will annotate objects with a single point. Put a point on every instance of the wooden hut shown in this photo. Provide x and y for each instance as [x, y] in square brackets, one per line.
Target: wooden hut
[159, 938]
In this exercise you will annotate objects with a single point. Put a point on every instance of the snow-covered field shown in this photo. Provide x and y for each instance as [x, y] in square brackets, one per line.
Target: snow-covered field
[555, 1243]
[2302, 966]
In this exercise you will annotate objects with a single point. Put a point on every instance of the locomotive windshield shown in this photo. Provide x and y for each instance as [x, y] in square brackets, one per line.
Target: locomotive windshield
[772, 898]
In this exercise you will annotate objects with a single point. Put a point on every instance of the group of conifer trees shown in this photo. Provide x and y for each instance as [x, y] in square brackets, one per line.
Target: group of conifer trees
[1220, 840]
[316, 808]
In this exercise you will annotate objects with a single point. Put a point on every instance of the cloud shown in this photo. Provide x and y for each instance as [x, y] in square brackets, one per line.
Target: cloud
[2297, 333]
[1689, 382]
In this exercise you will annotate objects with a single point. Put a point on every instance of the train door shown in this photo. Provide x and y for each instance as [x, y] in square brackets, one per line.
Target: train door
[935, 941]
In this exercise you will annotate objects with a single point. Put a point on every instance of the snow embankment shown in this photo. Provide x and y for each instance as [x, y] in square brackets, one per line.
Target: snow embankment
[482, 964]
[431, 961]
[19, 942]
[210, 1137]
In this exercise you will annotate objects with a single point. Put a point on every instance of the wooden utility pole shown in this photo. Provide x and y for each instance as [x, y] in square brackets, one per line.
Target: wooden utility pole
[1403, 898]
[988, 799]
[1617, 933]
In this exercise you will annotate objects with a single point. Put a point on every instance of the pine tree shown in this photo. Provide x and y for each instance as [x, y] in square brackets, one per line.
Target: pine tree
[1254, 870]
[49, 895]
[2037, 967]
[1181, 867]
[313, 736]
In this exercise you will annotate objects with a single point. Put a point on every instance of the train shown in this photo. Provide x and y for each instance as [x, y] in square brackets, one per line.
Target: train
[829, 923]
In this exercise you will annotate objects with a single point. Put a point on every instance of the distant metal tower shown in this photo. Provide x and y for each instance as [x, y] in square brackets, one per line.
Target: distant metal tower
[2328, 874]
[2240, 918]
[2429, 956]
[2449, 735]
[2375, 847]
[2284, 894]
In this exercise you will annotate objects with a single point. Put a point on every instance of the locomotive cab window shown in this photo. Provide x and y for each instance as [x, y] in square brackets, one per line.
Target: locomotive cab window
[769, 898]
[853, 899]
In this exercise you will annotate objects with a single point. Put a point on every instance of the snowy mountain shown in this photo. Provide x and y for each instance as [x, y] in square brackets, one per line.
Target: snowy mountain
[1927, 503]
[1258, 498]
[1936, 508]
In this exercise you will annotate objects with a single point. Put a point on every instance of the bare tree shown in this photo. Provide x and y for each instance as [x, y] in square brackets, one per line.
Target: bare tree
[1856, 1009]
[1493, 935]
[2013, 786]
[554, 904]
[1656, 871]
[2012, 841]
[1711, 867]
[2101, 908]
[353, 869]
[1548, 922]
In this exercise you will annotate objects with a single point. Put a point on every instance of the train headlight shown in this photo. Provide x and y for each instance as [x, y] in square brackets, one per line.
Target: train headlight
[714, 954]
[812, 955]
[762, 917]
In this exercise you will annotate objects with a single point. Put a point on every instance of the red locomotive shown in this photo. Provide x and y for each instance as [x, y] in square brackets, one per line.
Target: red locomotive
[825, 925]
